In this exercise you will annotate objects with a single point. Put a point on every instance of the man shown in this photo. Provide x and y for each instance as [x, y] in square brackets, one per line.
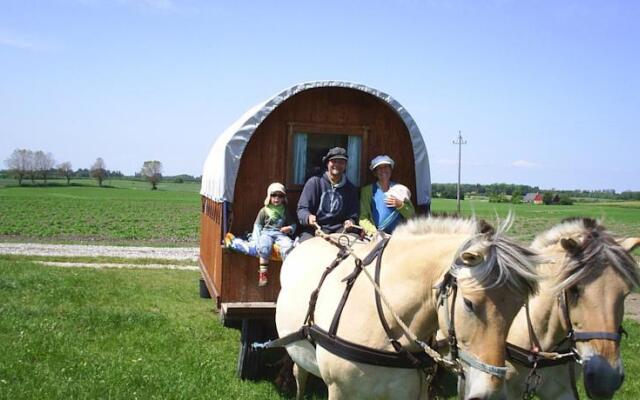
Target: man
[329, 200]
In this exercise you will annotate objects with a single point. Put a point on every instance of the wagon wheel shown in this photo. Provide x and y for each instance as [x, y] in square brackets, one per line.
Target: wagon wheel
[248, 358]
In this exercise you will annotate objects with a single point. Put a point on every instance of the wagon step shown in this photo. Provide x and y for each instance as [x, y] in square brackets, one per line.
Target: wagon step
[247, 310]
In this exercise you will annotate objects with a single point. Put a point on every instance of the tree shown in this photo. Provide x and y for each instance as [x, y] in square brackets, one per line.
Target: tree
[20, 163]
[99, 170]
[152, 171]
[547, 198]
[65, 169]
[43, 163]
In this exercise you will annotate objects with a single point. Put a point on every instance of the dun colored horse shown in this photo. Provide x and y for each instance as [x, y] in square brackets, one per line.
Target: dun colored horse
[493, 277]
[576, 319]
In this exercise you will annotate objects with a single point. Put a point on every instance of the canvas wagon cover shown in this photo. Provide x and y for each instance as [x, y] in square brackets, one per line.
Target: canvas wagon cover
[221, 166]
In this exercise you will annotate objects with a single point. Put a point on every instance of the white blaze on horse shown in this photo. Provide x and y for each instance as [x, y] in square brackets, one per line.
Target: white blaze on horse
[486, 278]
[577, 314]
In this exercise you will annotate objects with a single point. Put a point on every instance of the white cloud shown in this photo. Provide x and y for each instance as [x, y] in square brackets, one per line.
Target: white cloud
[7, 40]
[524, 164]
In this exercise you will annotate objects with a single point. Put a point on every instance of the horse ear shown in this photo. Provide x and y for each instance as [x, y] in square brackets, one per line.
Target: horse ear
[629, 244]
[471, 258]
[570, 245]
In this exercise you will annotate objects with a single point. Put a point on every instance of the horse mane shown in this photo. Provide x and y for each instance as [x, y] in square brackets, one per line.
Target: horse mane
[596, 247]
[439, 224]
[507, 262]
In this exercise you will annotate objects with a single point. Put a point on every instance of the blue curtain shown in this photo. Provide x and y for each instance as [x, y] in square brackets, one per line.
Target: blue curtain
[353, 167]
[299, 157]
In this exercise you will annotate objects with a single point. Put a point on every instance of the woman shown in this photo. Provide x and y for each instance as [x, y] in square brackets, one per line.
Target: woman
[385, 203]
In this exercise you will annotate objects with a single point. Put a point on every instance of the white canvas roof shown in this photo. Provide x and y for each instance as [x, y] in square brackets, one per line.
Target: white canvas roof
[221, 166]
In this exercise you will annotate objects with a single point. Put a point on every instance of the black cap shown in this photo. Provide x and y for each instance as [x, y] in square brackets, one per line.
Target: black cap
[336, 152]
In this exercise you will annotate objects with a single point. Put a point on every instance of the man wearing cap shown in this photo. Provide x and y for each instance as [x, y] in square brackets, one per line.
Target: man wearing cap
[329, 200]
[385, 203]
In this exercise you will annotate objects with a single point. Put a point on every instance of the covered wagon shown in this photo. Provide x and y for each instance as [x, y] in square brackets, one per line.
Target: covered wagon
[283, 140]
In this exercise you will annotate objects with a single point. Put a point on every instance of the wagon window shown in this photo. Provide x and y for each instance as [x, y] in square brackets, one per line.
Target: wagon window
[309, 148]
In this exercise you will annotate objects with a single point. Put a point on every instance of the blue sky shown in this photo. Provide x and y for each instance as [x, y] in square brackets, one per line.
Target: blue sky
[545, 93]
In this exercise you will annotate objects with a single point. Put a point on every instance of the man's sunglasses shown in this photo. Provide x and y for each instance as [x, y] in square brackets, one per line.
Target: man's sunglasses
[277, 195]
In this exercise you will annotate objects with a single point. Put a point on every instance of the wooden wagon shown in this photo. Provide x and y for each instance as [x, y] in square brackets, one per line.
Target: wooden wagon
[283, 140]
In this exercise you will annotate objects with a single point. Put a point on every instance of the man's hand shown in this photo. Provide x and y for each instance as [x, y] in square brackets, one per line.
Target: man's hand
[348, 224]
[312, 219]
[286, 230]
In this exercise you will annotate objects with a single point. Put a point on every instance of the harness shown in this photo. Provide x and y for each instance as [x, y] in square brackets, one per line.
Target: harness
[565, 352]
[428, 359]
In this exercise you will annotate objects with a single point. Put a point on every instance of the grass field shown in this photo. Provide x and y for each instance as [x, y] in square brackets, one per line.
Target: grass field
[86, 333]
[131, 334]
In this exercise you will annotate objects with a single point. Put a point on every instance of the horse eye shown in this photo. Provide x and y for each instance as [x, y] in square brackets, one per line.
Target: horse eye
[468, 305]
[574, 292]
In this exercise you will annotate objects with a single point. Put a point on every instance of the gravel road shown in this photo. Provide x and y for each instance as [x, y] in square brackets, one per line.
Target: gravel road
[73, 250]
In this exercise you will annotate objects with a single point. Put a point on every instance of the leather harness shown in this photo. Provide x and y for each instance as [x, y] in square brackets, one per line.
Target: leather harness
[400, 358]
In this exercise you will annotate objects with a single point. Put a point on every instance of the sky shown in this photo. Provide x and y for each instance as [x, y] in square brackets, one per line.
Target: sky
[546, 93]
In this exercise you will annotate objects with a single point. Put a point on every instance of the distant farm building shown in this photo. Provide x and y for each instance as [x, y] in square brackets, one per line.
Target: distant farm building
[535, 198]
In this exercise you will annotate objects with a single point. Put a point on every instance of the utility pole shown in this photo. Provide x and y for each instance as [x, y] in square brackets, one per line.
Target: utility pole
[459, 142]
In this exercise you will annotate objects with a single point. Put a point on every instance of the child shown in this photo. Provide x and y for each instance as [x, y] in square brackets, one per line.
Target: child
[273, 224]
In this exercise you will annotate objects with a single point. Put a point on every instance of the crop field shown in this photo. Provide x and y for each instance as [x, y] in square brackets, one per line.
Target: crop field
[127, 212]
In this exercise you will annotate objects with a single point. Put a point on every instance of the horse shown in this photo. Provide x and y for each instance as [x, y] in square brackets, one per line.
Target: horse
[576, 316]
[494, 277]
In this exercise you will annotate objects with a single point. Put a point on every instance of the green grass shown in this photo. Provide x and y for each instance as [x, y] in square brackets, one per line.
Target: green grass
[622, 218]
[124, 214]
[86, 333]
[83, 333]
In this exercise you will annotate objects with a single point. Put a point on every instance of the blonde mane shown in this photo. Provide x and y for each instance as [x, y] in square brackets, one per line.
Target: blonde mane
[438, 225]
[597, 249]
[506, 263]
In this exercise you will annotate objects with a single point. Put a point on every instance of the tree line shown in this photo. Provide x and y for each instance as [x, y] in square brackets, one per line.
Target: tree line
[28, 164]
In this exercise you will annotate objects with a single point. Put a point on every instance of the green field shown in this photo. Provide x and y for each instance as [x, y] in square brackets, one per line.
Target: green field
[127, 334]
[85, 333]
[128, 212]
[622, 218]
[124, 334]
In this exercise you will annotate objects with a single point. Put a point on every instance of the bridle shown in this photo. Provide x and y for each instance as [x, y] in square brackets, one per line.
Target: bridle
[563, 353]
[573, 337]
[449, 288]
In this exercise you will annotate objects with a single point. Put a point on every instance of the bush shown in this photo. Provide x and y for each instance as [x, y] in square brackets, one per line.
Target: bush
[498, 198]
[178, 180]
[565, 200]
